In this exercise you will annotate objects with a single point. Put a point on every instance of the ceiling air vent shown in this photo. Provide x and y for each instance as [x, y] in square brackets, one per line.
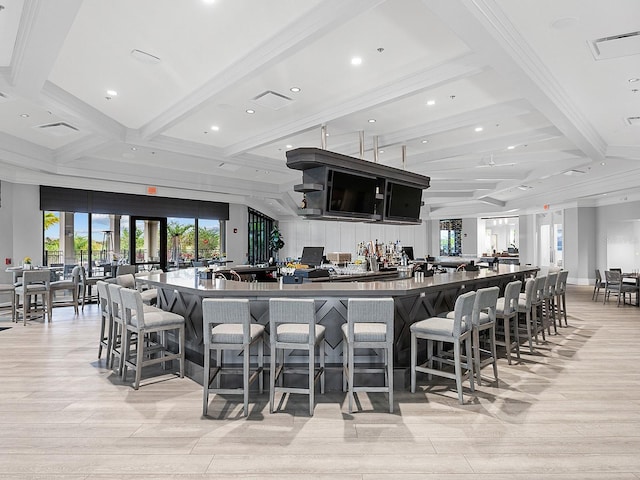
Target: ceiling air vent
[272, 100]
[635, 121]
[615, 46]
[4, 97]
[58, 129]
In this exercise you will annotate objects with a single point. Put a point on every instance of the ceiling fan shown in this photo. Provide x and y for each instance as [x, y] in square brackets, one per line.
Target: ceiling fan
[491, 163]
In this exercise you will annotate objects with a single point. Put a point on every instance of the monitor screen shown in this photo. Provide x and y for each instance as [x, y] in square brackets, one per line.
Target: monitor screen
[403, 201]
[312, 256]
[409, 252]
[352, 193]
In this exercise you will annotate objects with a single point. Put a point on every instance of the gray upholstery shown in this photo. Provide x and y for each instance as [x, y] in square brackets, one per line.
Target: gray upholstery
[297, 333]
[141, 323]
[455, 331]
[369, 325]
[233, 330]
[507, 316]
[34, 282]
[292, 325]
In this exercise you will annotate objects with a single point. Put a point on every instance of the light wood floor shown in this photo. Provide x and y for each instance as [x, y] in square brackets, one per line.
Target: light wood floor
[571, 411]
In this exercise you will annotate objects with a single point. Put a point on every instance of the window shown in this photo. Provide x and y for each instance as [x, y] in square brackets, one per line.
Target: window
[451, 237]
[259, 229]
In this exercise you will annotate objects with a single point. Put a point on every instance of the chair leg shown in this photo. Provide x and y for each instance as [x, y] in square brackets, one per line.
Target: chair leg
[494, 353]
[344, 364]
[350, 368]
[476, 354]
[181, 340]
[261, 365]
[139, 359]
[389, 355]
[206, 380]
[507, 339]
[246, 355]
[516, 336]
[312, 368]
[272, 375]
[458, 368]
[322, 360]
[414, 356]
[470, 364]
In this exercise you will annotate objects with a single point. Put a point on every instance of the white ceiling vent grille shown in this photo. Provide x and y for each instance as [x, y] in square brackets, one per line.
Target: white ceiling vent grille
[4, 97]
[272, 100]
[635, 121]
[616, 46]
[229, 167]
[58, 129]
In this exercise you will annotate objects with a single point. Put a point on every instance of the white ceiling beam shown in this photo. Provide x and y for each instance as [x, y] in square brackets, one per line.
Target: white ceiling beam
[485, 27]
[80, 148]
[464, 66]
[292, 38]
[43, 29]
[625, 152]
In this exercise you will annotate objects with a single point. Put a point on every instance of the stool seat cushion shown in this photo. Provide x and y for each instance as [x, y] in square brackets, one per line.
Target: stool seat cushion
[62, 284]
[296, 332]
[159, 318]
[232, 333]
[367, 332]
[7, 287]
[484, 317]
[437, 326]
[32, 289]
[149, 295]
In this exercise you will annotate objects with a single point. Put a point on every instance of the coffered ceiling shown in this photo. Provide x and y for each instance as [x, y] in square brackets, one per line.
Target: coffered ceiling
[506, 105]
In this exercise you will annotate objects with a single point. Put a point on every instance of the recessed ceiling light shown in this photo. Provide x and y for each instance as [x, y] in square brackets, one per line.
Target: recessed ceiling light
[431, 102]
[372, 120]
[112, 93]
[380, 151]
[602, 163]
[356, 61]
[250, 111]
[634, 90]
[295, 89]
[208, 2]
[633, 80]
[24, 115]
[479, 129]
[511, 147]
[288, 146]
[134, 149]
[425, 141]
[215, 128]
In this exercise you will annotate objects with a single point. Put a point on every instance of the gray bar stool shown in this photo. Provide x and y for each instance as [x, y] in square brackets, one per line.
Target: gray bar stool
[507, 312]
[484, 320]
[369, 325]
[142, 323]
[561, 297]
[550, 301]
[456, 331]
[526, 305]
[34, 283]
[292, 326]
[540, 319]
[234, 331]
[10, 290]
[106, 320]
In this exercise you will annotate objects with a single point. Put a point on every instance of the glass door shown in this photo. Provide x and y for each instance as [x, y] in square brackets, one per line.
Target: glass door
[148, 243]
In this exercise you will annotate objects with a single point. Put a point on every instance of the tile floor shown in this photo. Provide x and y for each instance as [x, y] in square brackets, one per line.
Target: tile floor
[570, 411]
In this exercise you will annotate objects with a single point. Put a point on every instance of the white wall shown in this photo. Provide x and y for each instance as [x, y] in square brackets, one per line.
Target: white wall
[344, 236]
[21, 221]
[580, 244]
[618, 236]
[470, 236]
[237, 234]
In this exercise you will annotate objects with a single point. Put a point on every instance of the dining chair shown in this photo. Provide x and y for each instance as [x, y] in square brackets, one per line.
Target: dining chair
[456, 331]
[550, 301]
[34, 283]
[614, 283]
[598, 285]
[72, 285]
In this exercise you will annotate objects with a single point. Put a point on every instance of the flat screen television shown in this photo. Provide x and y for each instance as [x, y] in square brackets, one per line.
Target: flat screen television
[403, 202]
[312, 256]
[351, 193]
[409, 252]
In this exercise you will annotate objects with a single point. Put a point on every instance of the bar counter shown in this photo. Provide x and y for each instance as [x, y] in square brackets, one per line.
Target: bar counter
[182, 292]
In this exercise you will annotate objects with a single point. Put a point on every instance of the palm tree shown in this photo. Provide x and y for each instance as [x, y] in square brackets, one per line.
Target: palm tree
[50, 219]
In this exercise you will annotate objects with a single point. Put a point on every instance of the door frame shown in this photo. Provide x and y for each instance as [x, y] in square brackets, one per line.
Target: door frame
[163, 240]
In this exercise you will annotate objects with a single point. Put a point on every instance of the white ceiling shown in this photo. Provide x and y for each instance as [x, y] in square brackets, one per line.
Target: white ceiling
[522, 70]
